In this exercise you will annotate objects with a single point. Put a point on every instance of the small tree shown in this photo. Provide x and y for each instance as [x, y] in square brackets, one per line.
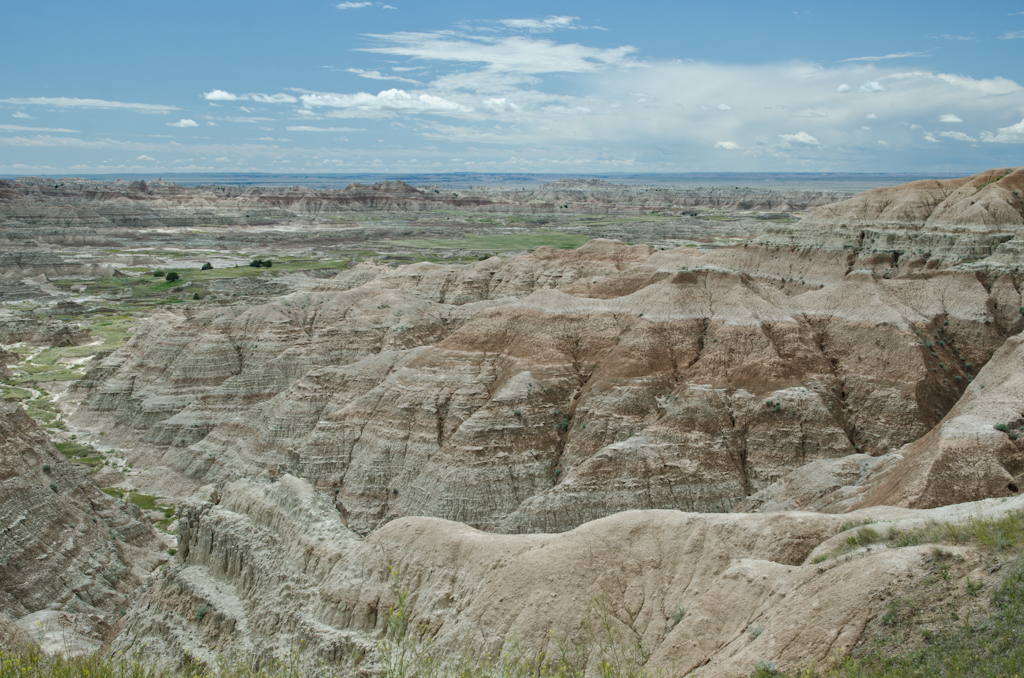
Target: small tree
[268, 263]
[206, 267]
[172, 276]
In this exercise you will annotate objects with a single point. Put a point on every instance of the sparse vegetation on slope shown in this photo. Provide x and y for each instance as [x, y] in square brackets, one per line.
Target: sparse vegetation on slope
[965, 619]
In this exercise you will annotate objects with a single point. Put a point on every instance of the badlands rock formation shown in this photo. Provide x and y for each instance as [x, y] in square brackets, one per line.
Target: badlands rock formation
[536, 393]
[70, 556]
[270, 564]
[489, 431]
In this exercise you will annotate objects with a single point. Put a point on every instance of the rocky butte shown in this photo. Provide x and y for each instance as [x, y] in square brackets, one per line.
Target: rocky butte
[680, 438]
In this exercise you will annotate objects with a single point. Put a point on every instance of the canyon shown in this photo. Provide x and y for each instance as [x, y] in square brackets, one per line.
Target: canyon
[517, 406]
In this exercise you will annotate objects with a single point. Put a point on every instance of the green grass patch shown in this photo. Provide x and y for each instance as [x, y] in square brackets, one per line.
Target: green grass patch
[919, 637]
[115, 492]
[13, 393]
[72, 449]
[500, 243]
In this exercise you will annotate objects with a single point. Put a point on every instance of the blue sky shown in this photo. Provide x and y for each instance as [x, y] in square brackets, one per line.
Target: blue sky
[573, 87]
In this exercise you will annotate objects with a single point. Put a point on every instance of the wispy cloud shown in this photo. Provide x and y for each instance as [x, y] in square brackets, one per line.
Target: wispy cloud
[19, 128]
[353, 5]
[1014, 134]
[801, 138]
[72, 102]
[728, 145]
[221, 95]
[949, 117]
[1012, 35]
[898, 55]
[377, 75]
[184, 122]
[541, 25]
[514, 54]
[388, 101]
[959, 136]
[305, 128]
[22, 115]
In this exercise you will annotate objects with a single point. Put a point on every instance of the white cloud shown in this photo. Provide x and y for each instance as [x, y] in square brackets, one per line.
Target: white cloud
[353, 5]
[568, 110]
[996, 85]
[959, 136]
[19, 128]
[184, 122]
[929, 137]
[388, 7]
[898, 55]
[865, 127]
[871, 116]
[871, 86]
[724, 107]
[802, 138]
[1014, 134]
[22, 114]
[221, 95]
[377, 75]
[728, 145]
[883, 143]
[391, 100]
[1012, 35]
[949, 117]
[211, 123]
[72, 102]
[501, 105]
[540, 25]
[515, 54]
[273, 98]
[304, 128]
[843, 89]
[146, 157]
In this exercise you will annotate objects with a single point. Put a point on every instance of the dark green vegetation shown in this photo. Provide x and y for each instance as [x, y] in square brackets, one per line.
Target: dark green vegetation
[966, 618]
[83, 454]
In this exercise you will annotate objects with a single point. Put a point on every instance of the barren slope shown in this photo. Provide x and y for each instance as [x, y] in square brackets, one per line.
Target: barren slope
[67, 548]
[537, 393]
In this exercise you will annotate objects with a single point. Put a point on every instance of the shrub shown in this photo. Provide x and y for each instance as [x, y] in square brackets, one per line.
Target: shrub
[206, 267]
[172, 552]
[53, 486]
[172, 276]
[201, 612]
[676, 614]
[1002, 427]
[46, 468]
[159, 274]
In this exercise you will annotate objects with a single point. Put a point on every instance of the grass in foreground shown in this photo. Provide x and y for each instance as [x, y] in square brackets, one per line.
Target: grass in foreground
[947, 624]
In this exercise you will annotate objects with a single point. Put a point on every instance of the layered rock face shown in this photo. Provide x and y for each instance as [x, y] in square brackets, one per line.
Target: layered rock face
[264, 565]
[474, 428]
[976, 217]
[68, 550]
[536, 393]
[976, 451]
